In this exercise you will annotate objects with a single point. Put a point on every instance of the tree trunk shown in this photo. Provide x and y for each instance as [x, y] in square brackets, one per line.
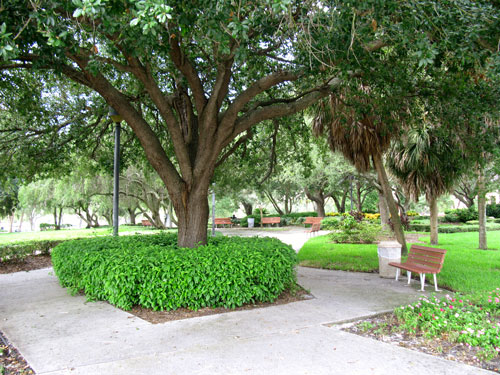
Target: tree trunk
[57, 223]
[274, 203]
[60, 218]
[32, 220]
[21, 221]
[384, 210]
[318, 200]
[395, 219]
[248, 207]
[358, 203]
[11, 223]
[481, 209]
[132, 214]
[192, 216]
[340, 205]
[434, 219]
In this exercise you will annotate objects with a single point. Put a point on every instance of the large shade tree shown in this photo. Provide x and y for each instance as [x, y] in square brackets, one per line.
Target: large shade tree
[190, 78]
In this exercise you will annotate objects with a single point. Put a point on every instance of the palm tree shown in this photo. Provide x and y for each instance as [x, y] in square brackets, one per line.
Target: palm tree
[362, 137]
[426, 161]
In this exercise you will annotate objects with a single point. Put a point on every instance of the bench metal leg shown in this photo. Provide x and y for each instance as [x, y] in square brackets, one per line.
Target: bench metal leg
[422, 282]
[436, 283]
[409, 277]
[397, 274]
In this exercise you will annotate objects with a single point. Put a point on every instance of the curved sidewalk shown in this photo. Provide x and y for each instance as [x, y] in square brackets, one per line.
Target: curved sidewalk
[61, 334]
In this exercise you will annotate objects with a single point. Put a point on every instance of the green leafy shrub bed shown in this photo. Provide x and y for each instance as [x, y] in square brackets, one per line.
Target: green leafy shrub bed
[461, 215]
[151, 271]
[17, 252]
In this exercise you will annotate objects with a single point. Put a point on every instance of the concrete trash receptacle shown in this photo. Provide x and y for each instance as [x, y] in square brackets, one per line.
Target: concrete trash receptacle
[251, 222]
[388, 251]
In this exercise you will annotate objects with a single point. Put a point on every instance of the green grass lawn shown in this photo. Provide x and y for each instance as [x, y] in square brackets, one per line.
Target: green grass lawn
[466, 269]
[65, 234]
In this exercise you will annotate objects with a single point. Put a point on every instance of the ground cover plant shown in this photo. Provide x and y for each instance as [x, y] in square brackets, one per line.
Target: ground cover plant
[474, 321]
[459, 327]
[151, 271]
[466, 269]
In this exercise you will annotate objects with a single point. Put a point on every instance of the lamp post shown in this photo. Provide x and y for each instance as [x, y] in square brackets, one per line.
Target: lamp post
[350, 179]
[117, 119]
[213, 209]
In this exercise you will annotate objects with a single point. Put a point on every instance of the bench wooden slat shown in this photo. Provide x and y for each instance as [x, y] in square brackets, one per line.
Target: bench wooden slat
[271, 220]
[423, 260]
[223, 221]
[313, 220]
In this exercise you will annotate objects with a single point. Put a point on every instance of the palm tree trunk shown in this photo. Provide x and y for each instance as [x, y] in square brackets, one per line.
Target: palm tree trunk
[384, 182]
[481, 209]
[434, 219]
[383, 209]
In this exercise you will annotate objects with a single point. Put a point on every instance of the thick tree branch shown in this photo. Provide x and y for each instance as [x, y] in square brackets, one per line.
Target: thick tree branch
[273, 153]
[283, 109]
[148, 139]
[186, 68]
[255, 89]
[232, 150]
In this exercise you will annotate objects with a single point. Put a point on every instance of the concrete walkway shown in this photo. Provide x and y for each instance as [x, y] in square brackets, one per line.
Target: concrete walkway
[60, 334]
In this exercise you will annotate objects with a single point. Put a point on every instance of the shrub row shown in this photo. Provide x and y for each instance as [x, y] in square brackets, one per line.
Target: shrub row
[20, 250]
[461, 215]
[153, 272]
[493, 210]
[453, 229]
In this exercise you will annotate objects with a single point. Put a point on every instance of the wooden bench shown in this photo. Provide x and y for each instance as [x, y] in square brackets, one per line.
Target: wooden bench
[223, 221]
[423, 260]
[313, 220]
[271, 220]
[314, 228]
[315, 224]
[146, 223]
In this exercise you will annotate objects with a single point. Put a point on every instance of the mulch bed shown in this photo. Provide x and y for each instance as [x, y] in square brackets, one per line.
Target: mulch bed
[385, 328]
[11, 362]
[156, 317]
[32, 262]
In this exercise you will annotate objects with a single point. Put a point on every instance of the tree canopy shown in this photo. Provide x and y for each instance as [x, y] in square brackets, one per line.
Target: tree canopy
[190, 78]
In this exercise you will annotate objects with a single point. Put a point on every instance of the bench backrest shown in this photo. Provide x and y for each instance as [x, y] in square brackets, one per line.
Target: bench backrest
[224, 220]
[271, 220]
[316, 227]
[313, 220]
[429, 257]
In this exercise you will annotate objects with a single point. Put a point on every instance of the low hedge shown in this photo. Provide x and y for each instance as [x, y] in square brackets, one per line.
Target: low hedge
[151, 271]
[20, 250]
[451, 229]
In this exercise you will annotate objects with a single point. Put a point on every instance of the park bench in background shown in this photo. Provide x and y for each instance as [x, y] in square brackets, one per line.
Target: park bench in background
[315, 224]
[313, 220]
[223, 221]
[423, 260]
[271, 220]
[146, 223]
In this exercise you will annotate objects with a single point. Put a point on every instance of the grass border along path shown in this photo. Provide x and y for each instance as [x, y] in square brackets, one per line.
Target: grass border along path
[466, 269]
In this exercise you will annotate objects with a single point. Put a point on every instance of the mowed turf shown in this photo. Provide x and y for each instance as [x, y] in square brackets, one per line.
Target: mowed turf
[466, 269]
[66, 234]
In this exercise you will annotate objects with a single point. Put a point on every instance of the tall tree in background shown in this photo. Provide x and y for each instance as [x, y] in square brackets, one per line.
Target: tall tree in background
[427, 161]
[362, 138]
